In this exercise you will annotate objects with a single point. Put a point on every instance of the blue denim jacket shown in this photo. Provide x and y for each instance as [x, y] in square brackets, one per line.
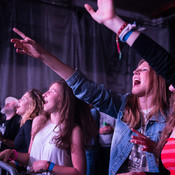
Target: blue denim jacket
[114, 104]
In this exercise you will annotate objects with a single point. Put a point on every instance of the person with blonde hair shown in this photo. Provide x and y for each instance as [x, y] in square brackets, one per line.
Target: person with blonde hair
[29, 106]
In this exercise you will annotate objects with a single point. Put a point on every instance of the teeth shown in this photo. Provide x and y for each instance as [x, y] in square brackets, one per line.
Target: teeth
[136, 81]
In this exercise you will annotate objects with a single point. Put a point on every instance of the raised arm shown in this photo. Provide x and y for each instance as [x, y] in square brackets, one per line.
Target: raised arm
[157, 57]
[30, 47]
[106, 15]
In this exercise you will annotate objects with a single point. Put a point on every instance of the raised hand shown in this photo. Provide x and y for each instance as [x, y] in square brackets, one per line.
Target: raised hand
[140, 139]
[27, 46]
[104, 12]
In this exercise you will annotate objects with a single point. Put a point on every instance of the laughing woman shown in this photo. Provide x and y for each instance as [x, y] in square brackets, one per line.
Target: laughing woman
[59, 139]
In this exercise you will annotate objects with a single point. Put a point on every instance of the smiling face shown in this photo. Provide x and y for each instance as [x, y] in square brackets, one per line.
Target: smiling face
[25, 104]
[53, 98]
[141, 80]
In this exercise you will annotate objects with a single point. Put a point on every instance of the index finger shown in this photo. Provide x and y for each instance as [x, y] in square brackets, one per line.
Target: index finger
[138, 133]
[22, 35]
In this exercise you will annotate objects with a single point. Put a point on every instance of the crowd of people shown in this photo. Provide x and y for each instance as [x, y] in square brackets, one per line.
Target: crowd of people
[58, 126]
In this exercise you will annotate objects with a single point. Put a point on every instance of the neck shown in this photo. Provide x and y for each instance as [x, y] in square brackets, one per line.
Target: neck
[9, 116]
[54, 117]
[145, 102]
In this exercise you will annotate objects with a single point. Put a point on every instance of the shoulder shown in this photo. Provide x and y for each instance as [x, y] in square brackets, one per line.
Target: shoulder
[28, 122]
[76, 139]
[37, 119]
[76, 133]
[76, 130]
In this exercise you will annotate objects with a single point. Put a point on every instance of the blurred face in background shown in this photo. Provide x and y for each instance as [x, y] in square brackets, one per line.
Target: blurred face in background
[10, 108]
[25, 105]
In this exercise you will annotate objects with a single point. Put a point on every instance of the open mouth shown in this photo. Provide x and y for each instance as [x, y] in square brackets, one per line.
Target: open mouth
[136, 82]
[45, 101]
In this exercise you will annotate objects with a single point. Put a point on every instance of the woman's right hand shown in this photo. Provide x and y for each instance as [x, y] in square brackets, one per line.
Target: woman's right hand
[4, 155]
[27, 46]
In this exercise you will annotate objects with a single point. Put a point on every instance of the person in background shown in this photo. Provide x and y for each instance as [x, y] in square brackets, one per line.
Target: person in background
[106, 129]
[58, 139]
[92, 149]
[11, 125]
[29, 106]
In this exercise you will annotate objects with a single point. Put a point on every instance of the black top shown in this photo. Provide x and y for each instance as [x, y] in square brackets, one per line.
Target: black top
[22, 139]
[12, 128]
[157, 57]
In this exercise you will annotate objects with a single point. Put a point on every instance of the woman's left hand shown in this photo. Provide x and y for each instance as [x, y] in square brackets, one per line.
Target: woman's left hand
[39, 166]
[140, 139]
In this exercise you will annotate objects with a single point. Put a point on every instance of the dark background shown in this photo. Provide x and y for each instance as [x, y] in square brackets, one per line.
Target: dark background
[67, 30]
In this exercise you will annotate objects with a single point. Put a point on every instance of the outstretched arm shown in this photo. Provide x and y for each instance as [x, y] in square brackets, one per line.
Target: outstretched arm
[30, 47]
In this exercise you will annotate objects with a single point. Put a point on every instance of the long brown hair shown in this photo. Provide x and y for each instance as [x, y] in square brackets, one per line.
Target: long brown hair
[169, 126]
[72, 112]
[37, 105]
[132, 113]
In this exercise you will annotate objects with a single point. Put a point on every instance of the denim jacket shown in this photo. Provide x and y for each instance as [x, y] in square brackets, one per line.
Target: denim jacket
[113, 104]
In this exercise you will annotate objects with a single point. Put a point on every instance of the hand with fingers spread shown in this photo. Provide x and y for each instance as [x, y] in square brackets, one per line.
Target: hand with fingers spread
[27, 46]
[104, 12]
[140, 139]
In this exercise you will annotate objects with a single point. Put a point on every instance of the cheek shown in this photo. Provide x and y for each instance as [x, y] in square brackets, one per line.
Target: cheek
[24, 106]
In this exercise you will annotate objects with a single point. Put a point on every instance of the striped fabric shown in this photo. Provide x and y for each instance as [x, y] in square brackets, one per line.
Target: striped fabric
[168, 155]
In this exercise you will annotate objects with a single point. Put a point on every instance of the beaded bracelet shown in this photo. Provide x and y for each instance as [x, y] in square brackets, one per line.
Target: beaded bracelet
[15, 156]
[126, 30]
[117, 38]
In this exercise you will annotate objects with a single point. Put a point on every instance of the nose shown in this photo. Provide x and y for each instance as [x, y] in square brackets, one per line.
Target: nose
[136, 72]
[45, 94]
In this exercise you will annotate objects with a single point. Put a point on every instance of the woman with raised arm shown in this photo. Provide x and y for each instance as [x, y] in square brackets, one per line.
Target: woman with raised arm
[144, 109]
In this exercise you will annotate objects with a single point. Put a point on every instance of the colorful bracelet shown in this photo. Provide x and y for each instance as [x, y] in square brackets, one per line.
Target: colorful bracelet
[117, 38]
[127, 36]
[126, 30]
[121, 28]
[14, 156]
[50, 166]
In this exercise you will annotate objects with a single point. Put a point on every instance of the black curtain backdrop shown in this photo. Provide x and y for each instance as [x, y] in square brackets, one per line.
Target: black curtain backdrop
[71, 35]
